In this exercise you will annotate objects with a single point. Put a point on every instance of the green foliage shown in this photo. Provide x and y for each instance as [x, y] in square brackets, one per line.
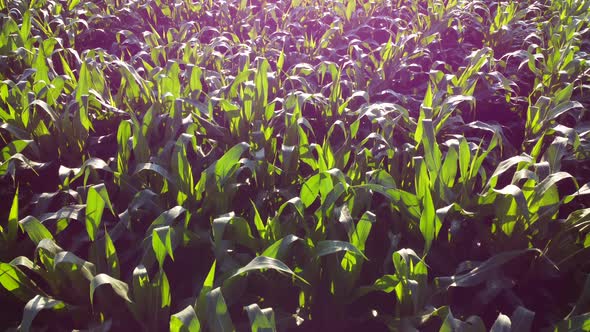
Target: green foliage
[281, 165]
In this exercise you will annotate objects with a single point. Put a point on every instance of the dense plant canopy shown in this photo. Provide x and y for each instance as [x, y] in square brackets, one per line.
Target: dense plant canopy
[357, 165]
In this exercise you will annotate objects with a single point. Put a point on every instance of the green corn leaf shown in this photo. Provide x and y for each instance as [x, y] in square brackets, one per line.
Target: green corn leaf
[429, 223]
[563, 94]
[148, 297]
[70, 212]
[47, 248]
[93, 164]
[195, 77]
[241, 78]
[550, 181]
[226, 165]
[329, 247]
[536, 150]
[16, 146]
[83, 109]
[296, 203]
[403, 259]
[517, 194]
[261, 82]
[8, 166]
[184, 171]
[40, 65]
[386, 283]
[11, 231]
[124, 151]
[119, 287]
[72, 4]
[260, 227]
[383, 178]
[111, 256]
[310, 190]
[35, 229]
[464, 159]
[162, 244]
[218, 317]
[584, 190]
[262, 262]
[280, 248]
[432, 153]
[561, 108]
[351, 263]
[326, 186]
[261, 320]
[421, 177]
[505, 166]
[96, 200]
[449, 168]
[164, 287]
[156, 169]
[578, 217]
[17, 283]
[141, 149]
[94, 209]
[185, 321]
[25, 29]
[330, 200]
[281, 61]
[70, 262]
[34, 306]
[167, 218]
[350, 8]
[362, 230]
[475, 167]
[201, 302]
[234, 228]
[555, 152]
[289, 158]
[46, 108]
[17, 132]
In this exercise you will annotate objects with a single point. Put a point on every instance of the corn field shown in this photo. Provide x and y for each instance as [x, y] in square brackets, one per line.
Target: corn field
[295, 165]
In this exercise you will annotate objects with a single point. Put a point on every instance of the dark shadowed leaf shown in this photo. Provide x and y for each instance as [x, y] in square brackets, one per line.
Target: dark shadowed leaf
[34, 306]
[522, 319]
[482, 272]
[218, 318]
[262, 263]
[328, 247]
[118, 286]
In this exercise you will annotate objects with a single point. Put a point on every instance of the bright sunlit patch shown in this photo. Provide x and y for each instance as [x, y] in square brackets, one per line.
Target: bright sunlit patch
[298, 320]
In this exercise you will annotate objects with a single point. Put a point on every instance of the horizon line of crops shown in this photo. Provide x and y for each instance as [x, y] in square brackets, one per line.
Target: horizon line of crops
[236, 165]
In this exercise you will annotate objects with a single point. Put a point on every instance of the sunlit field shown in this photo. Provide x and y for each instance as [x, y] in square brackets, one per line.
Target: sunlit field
[294, 165]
